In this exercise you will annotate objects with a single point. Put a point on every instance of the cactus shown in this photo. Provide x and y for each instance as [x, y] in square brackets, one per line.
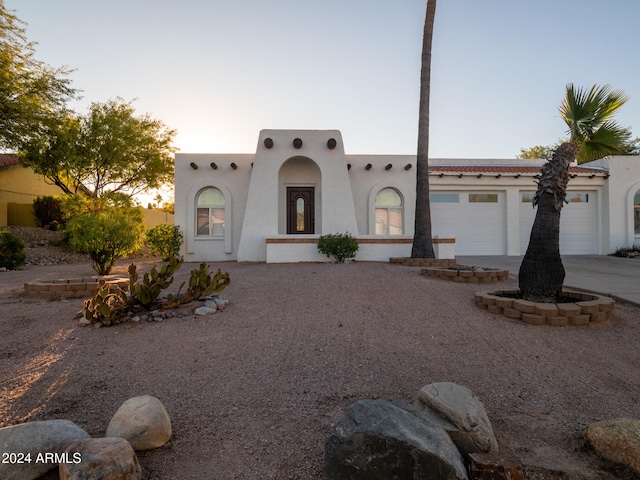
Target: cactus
[107, 306]
[153, 282]
[201, 284]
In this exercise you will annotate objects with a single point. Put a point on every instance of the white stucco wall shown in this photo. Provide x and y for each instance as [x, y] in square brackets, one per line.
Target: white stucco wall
[234, 183]
[334, 200]
[255, 195]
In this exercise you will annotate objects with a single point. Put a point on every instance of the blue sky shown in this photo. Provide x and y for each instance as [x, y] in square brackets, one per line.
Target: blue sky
[219, 71]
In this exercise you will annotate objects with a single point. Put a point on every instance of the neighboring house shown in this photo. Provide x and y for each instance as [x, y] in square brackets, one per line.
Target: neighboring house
[273, 205]
[19, 187]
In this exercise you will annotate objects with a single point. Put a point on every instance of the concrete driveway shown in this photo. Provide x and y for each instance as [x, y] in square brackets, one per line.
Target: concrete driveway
[607, 275]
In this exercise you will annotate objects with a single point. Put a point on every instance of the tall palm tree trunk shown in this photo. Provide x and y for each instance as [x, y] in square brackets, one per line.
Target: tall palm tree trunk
[541, 273]
[422, 238]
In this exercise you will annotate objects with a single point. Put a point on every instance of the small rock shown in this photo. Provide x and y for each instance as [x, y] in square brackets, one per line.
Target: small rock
[617, 440]
[101, 458]
[83, 322]
[204, 311]
[459, 406]
[34, 438]
[135, 319]
[143, 422]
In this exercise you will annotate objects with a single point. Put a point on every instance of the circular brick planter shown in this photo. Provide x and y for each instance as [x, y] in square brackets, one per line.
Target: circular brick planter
[423, 262]
[71, 287]
[588, 308]
[464, 274]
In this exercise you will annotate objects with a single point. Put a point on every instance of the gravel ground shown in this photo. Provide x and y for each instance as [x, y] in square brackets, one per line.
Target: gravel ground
[253, 391]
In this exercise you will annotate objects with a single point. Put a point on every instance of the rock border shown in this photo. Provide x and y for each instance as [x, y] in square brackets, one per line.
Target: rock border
[467, 274]
[590, 309]
[423, 262]
[71, 287]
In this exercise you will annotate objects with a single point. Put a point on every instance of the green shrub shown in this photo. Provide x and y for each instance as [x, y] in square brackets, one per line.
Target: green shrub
[339, 246]
[165, 240]
[106, 235]
[48, 210]
[12, 251]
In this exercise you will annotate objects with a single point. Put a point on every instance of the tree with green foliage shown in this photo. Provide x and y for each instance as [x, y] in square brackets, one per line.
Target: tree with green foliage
[31, 92]
[422, 237]
[109, 150]
[105, 228]
[593, 134]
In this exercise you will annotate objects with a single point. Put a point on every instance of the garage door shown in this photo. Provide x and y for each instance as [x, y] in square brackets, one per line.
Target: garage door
[476, 219]
[577, 223]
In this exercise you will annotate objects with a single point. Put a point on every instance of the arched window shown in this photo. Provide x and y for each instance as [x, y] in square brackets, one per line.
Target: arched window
[389, 212]
[636, 213]
[210, 213]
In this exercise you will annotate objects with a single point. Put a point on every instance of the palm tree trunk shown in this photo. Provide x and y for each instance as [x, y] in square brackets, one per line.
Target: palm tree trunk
[541, 273]
[422, 238]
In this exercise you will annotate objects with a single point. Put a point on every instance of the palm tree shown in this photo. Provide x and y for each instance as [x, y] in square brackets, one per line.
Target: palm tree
[592, 134]
[422, 238]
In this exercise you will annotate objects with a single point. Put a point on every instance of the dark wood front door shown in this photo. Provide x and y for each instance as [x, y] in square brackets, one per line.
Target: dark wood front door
[300, 210]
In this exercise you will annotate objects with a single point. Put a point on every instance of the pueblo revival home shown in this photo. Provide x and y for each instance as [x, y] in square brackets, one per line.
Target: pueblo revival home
[272, 205]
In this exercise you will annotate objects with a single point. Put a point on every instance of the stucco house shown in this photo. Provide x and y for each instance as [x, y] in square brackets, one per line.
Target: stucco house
[272, 205]
[19, 187]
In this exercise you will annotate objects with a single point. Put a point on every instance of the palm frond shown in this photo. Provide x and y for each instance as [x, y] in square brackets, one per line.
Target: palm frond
[609, 139]
[585, 111]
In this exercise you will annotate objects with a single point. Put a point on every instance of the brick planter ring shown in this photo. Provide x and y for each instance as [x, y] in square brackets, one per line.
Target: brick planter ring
[71, 288]
[467, 274]
[588, 308]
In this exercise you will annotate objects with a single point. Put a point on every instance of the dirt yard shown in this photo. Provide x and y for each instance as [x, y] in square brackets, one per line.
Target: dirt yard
[253, 391]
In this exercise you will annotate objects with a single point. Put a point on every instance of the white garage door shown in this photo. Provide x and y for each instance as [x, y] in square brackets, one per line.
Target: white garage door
[577, 223]
[476, 219]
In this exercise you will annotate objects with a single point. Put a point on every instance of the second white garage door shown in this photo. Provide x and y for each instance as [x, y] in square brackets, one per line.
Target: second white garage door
[577, 223]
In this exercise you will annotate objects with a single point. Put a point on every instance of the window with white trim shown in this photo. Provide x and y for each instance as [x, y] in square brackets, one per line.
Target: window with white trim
[210, 213]
[389, 212]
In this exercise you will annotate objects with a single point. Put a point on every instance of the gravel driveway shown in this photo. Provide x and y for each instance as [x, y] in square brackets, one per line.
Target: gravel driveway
[253, 391]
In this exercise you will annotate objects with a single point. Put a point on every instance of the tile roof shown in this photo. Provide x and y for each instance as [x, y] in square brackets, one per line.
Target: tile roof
[509, 170]
[8, 160]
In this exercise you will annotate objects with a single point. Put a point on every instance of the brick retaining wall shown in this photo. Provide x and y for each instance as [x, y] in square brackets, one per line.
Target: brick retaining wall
[589, 308]
[70, 288]
[462, 275]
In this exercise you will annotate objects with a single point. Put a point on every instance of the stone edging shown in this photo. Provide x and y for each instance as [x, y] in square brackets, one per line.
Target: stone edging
[590, 309]
[462, 275]
[71, 288]
[423, 262]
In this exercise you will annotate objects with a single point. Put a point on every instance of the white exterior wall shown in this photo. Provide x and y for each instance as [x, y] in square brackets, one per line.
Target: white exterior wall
[365, 185]
[618, 193]
[344, 198]
[334, 209]
[234, 184]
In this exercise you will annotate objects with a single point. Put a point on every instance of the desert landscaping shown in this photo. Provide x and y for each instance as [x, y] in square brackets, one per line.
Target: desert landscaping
[253, 391]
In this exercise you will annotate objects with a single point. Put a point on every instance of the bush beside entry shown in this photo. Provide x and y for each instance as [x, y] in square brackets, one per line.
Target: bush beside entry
[339, 246]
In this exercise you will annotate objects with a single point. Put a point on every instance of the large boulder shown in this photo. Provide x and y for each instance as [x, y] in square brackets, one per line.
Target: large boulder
[143, 422]
[379, 440]
[43, 443]
[471, 431]
[617, 440]
[101, 459]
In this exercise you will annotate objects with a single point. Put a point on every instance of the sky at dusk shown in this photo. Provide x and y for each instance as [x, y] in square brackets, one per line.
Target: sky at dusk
[219, 71]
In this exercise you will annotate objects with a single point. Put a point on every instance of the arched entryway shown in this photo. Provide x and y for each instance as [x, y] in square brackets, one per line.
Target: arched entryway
[299, 185]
